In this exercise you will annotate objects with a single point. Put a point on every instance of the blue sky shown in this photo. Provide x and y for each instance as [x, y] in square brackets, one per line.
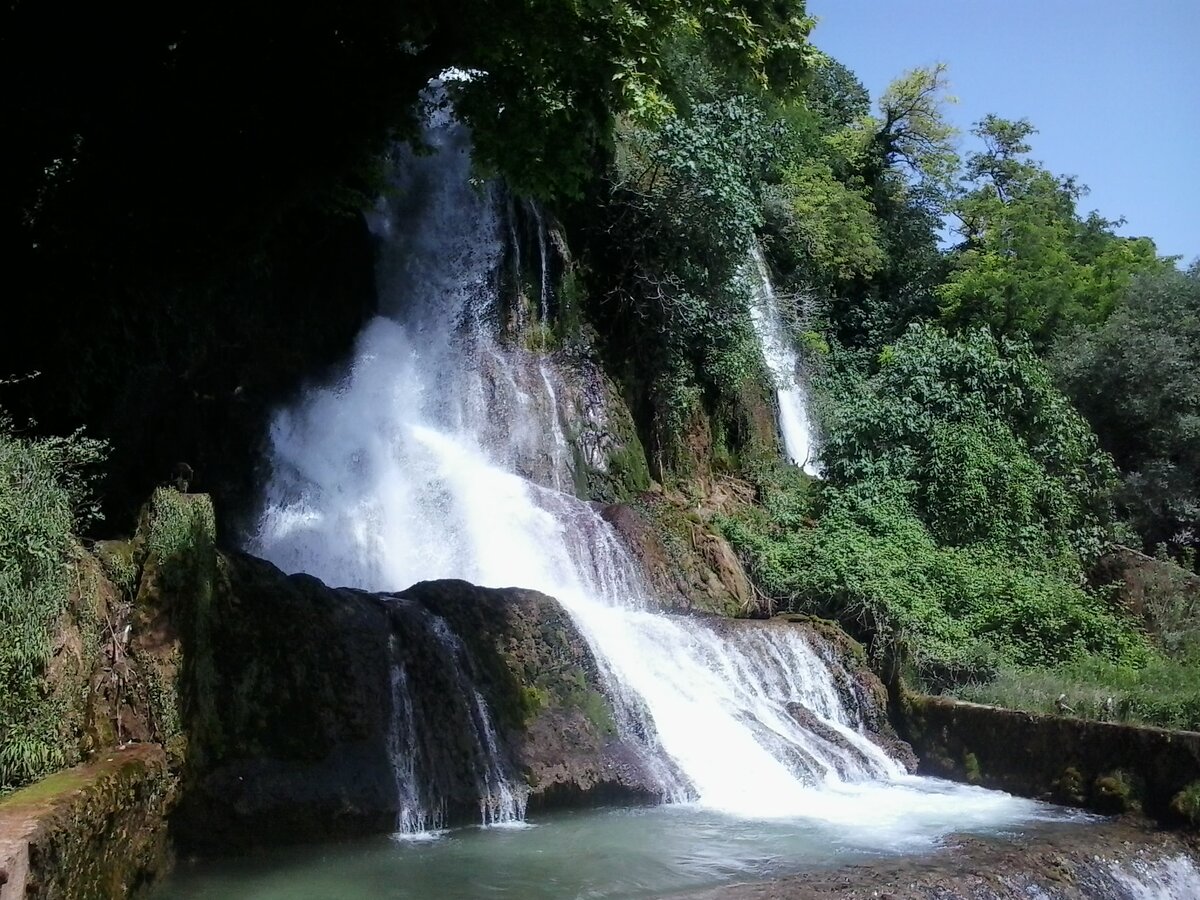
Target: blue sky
[1113, 88]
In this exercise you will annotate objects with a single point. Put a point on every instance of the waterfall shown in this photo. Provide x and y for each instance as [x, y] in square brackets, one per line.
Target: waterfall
[439, 453]
[779, 352]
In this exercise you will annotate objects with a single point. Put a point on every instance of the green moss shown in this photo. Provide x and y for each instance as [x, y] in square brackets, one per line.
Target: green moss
[971, 768]
[46, 789]
[598, 711]
[627, 468]
[1070, 786]
[1187, 804]
[531, 699]
[1117, 792]
[571, 299]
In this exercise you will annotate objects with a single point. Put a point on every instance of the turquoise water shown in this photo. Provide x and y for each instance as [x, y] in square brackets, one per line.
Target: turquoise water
[619, 853]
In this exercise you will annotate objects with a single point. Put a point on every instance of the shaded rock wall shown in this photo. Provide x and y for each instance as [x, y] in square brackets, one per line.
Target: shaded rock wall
[1106, 767]
[293, 739]
[93, 832]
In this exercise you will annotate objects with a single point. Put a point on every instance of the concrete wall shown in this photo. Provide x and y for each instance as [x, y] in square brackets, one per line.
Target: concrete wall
[1101, 766]
[94, 832]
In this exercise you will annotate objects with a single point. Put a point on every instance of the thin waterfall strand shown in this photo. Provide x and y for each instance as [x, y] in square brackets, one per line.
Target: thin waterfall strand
[779, 352]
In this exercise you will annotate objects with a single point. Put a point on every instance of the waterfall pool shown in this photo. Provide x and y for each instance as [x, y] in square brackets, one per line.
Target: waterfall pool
[616, 853]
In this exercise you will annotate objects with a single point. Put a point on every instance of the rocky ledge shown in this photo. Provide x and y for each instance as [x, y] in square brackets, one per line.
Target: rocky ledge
[1113, 861]
[95, 830]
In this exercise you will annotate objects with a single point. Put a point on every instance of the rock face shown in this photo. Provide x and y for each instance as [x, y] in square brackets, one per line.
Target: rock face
[1103, 766]
[95, 831]
[297, 738]
[542, 685]
[289, 710]
[691, 567]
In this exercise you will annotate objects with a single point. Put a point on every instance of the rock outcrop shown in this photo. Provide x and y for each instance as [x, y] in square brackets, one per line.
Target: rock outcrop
[294, 738]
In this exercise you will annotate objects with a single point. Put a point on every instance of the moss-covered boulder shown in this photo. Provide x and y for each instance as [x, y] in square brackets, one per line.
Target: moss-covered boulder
[544, 688]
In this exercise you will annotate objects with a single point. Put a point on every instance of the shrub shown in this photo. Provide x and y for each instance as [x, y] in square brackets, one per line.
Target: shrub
[1162, 692]
[44, 495]
[870, 562]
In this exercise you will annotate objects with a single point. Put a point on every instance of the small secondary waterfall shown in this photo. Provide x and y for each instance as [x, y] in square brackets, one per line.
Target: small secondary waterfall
[784, 364]
[440, 453]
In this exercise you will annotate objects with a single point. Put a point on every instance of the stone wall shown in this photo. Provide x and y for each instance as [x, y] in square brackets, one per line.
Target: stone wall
[1102, 766]
[93, 832]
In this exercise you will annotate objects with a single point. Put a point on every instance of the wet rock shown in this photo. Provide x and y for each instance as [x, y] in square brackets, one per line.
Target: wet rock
[1117, 861]
[689, 566]
[297, 741]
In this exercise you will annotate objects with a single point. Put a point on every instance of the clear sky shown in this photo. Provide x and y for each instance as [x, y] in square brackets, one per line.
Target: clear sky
[1113, 88]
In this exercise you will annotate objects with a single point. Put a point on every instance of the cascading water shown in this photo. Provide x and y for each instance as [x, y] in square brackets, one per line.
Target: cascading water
[779, 352]
[439, 454]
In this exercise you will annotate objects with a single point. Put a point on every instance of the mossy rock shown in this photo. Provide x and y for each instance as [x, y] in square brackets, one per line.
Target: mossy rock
[1117, 792]
[1186, 804]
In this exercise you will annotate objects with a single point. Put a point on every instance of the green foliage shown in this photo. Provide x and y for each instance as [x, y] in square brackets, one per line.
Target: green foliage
[1163, 692]
[990, 453]
[182, 536]
[1135, 378]
[962, 493]
[829, 221]
[871, 563]
[44, 495]
[1187, 803]
[1028, 263]
[557, 74]
[682, 210]
[881, 254]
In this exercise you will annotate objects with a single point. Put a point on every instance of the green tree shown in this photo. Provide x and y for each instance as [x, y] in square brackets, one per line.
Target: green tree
[901, 162]
[1028, 264]
[1135, 377]
[993, 454]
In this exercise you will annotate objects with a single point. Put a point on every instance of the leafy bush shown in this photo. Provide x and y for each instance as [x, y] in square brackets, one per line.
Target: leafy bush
[44, 495]
[992, 454]
[871, 563]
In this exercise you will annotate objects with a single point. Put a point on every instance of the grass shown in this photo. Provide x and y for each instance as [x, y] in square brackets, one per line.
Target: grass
[1165, 692]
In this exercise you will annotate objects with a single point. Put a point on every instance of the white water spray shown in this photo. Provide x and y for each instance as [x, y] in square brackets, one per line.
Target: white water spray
[779, 352]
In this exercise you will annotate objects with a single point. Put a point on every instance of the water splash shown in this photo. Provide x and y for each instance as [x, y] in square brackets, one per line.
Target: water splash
[1173, 878]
